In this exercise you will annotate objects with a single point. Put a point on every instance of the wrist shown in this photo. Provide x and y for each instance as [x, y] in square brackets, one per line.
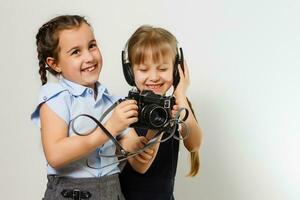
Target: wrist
[181, 100]
[110, 128]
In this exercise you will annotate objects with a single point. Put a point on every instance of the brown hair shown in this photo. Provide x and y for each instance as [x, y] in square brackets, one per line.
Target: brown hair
[161, 43]
[47, 40]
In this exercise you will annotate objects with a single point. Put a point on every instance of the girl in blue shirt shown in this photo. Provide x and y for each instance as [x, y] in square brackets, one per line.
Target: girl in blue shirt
[68, 49]
[152, 63]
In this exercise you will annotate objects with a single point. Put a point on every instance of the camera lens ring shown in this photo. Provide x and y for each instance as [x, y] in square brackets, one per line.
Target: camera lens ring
[155, 115]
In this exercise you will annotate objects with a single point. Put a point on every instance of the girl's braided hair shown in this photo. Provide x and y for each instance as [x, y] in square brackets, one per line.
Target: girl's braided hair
[47, 40]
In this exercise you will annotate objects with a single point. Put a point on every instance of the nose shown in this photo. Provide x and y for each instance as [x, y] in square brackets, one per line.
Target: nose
[154, 76]
[88, 56]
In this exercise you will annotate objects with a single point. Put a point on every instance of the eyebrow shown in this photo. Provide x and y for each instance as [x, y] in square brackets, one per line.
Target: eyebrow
[76, 47]
[93, 40]
[148, 66]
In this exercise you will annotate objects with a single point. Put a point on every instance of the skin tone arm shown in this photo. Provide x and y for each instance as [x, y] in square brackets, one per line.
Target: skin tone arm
[193, 141]
[61, 150]
[132, 142]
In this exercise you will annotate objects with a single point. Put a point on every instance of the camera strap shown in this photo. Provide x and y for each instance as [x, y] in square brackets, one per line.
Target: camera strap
[169, 128]
[123, 155]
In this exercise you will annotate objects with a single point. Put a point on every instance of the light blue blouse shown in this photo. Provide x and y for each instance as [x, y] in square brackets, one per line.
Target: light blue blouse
[68, 99]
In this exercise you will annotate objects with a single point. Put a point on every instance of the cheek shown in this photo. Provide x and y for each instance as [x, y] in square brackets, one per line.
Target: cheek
[98, 56]
[168, 76]
[72, 62]
[139, 78]
[168, 79]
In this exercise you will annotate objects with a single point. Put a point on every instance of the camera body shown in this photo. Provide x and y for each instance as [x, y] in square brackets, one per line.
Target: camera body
[154, 110]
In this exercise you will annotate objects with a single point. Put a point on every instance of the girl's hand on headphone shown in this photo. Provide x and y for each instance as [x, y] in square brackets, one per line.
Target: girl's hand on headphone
[180, 92]
[123, 115]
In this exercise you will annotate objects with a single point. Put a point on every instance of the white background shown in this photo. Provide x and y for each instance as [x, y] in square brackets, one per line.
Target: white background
[243, 58]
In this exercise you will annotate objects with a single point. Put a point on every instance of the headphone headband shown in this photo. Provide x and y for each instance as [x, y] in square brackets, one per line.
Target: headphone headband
[129, 75]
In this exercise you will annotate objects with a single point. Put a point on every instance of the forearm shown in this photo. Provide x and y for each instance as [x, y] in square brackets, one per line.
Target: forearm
[142, 167]
[132, 143]
[61, 149]
[192, 128]
[194, 139]
[69, 149]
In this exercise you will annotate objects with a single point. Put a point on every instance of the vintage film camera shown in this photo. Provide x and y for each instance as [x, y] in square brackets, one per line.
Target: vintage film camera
[154, 109]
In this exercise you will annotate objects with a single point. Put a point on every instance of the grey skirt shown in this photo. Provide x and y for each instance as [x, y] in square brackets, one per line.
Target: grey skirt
[102, 188]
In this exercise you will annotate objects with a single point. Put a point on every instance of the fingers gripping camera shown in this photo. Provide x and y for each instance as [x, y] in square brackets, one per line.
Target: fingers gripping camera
[154, 110]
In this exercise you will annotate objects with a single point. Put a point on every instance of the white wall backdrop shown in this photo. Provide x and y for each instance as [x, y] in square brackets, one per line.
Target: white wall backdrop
[244, 64]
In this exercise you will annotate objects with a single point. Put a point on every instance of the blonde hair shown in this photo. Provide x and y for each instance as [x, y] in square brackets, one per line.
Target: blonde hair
[195, 163]
[161, 43]
[194, 156]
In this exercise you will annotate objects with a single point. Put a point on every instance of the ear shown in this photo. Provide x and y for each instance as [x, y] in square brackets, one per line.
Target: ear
[51, 62]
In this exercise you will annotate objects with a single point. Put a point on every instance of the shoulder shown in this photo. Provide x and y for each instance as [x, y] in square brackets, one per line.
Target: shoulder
[107, 94]
[57, 98]
[51, 90]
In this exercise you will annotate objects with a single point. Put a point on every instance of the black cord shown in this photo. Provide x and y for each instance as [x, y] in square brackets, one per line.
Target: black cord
[168, 128]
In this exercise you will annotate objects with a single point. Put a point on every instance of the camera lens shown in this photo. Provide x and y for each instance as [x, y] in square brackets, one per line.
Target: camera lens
[155, 115]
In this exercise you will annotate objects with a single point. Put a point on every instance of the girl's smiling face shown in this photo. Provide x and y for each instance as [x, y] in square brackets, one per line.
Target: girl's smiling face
[156, 76]
[79, 58]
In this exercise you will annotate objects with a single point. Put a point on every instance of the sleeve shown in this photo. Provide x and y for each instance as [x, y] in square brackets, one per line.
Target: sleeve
[57, 98]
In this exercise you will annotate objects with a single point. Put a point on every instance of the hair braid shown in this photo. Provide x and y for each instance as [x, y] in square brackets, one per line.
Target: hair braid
[47, 40]
[44, 44]
[42, 72]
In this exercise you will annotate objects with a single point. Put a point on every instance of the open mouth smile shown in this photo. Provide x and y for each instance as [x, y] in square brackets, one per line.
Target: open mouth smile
[89, 69]
[154, 86]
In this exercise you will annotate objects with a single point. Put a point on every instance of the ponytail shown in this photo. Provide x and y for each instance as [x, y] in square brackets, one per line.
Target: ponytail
[194, 156]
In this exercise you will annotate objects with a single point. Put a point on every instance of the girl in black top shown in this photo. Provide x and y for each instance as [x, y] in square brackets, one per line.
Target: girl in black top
[153, 55]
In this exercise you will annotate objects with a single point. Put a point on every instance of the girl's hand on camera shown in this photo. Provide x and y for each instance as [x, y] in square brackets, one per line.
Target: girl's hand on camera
[123, 115]
[147, 154]
[174, 110]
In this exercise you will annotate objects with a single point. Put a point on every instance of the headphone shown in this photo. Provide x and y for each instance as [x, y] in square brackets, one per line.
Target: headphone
[128, 72]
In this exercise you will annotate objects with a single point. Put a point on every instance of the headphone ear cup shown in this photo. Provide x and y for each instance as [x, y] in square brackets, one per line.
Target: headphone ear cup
[179, 60]
[176, 77]
[129, 74]
[127, 71]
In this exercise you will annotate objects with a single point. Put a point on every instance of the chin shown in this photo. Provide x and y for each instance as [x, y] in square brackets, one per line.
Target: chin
[91, 82]
[158, 92]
